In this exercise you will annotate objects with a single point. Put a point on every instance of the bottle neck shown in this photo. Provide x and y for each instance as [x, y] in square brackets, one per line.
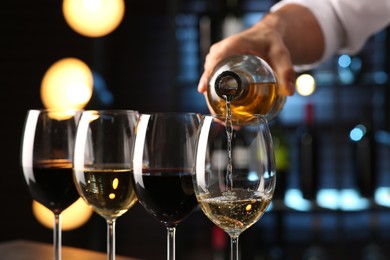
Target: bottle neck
[230, 85]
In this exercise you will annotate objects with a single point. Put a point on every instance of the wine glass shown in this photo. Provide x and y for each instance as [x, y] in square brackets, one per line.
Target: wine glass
[102, 165]
[46, 160]
[163, 161]
[234, 177]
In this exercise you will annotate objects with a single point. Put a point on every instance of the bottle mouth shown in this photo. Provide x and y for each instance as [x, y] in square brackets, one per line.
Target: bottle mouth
[228, 84]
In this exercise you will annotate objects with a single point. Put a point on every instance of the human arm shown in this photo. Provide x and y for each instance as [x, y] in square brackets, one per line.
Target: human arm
[345, 24]
[279, 38]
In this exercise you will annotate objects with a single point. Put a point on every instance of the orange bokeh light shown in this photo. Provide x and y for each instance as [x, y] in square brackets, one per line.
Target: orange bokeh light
[93, 18]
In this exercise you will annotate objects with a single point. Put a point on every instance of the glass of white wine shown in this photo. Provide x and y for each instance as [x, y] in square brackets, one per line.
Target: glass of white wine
[102, 165]
[234, 177]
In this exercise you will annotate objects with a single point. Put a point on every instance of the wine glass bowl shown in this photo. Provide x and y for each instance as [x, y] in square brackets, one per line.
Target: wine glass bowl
[51, 184]
[46, 160]
[234, 177]
[102, 165]
[163, 161]
[108, 189]
[167, 194]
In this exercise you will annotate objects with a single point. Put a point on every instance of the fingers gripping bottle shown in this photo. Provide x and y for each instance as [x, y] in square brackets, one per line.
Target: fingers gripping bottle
[248, 83]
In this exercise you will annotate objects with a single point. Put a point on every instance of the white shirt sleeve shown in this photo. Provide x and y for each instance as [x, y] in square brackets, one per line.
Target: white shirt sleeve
[346, 24]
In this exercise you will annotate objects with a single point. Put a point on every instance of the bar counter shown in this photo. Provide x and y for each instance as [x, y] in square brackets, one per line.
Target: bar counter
[28, 250]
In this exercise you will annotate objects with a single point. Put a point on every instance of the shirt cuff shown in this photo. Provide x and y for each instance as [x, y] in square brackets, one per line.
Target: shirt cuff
[333, 32]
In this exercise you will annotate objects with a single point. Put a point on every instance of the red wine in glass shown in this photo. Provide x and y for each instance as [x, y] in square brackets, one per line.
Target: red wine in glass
[167, 194]
[51, 184]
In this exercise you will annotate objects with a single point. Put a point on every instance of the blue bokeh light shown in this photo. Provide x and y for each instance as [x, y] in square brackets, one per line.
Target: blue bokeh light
[344, 61]
[357, 133]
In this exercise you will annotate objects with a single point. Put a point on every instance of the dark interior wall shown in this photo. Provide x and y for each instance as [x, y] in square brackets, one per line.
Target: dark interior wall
[138, 59]
[26, 50]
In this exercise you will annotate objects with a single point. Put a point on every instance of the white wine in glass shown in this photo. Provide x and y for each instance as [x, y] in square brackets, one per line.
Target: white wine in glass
[102, 165]
[234, 177]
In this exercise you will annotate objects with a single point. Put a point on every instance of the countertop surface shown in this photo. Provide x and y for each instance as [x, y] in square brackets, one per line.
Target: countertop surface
[29, 250]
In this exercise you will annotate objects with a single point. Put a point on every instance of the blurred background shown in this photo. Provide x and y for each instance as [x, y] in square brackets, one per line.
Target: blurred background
[332, 139]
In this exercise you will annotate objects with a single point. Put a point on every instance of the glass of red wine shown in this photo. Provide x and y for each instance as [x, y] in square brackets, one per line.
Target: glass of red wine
[46, 160]
[102, 165]
[163, 161]
[235, 176]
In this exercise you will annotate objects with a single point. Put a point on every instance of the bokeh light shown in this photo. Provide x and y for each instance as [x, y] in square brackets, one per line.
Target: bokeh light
[67, 84]
[305, 85]
[73, 217]
[357, 133]
[93, 18]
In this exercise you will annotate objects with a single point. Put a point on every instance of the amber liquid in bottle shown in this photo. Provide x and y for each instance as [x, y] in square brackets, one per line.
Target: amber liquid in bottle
[248, 83]
[259, 99]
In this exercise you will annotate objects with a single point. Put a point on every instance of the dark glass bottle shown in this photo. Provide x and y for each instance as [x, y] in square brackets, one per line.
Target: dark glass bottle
[282, 158]
[364, 149]
[307, 158]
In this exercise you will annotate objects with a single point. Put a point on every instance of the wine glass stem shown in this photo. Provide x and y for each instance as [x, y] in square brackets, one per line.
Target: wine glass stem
[110, 239]
[234, 248]
[57, 237]
[171, 232]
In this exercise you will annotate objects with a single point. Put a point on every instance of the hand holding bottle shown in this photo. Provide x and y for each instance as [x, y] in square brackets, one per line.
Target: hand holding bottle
[260, 40]
[247, 85]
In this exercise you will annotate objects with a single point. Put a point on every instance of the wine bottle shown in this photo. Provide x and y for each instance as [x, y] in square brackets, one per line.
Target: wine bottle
[248, 83]
[308, 170]
[281, 150]
[364, 158]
